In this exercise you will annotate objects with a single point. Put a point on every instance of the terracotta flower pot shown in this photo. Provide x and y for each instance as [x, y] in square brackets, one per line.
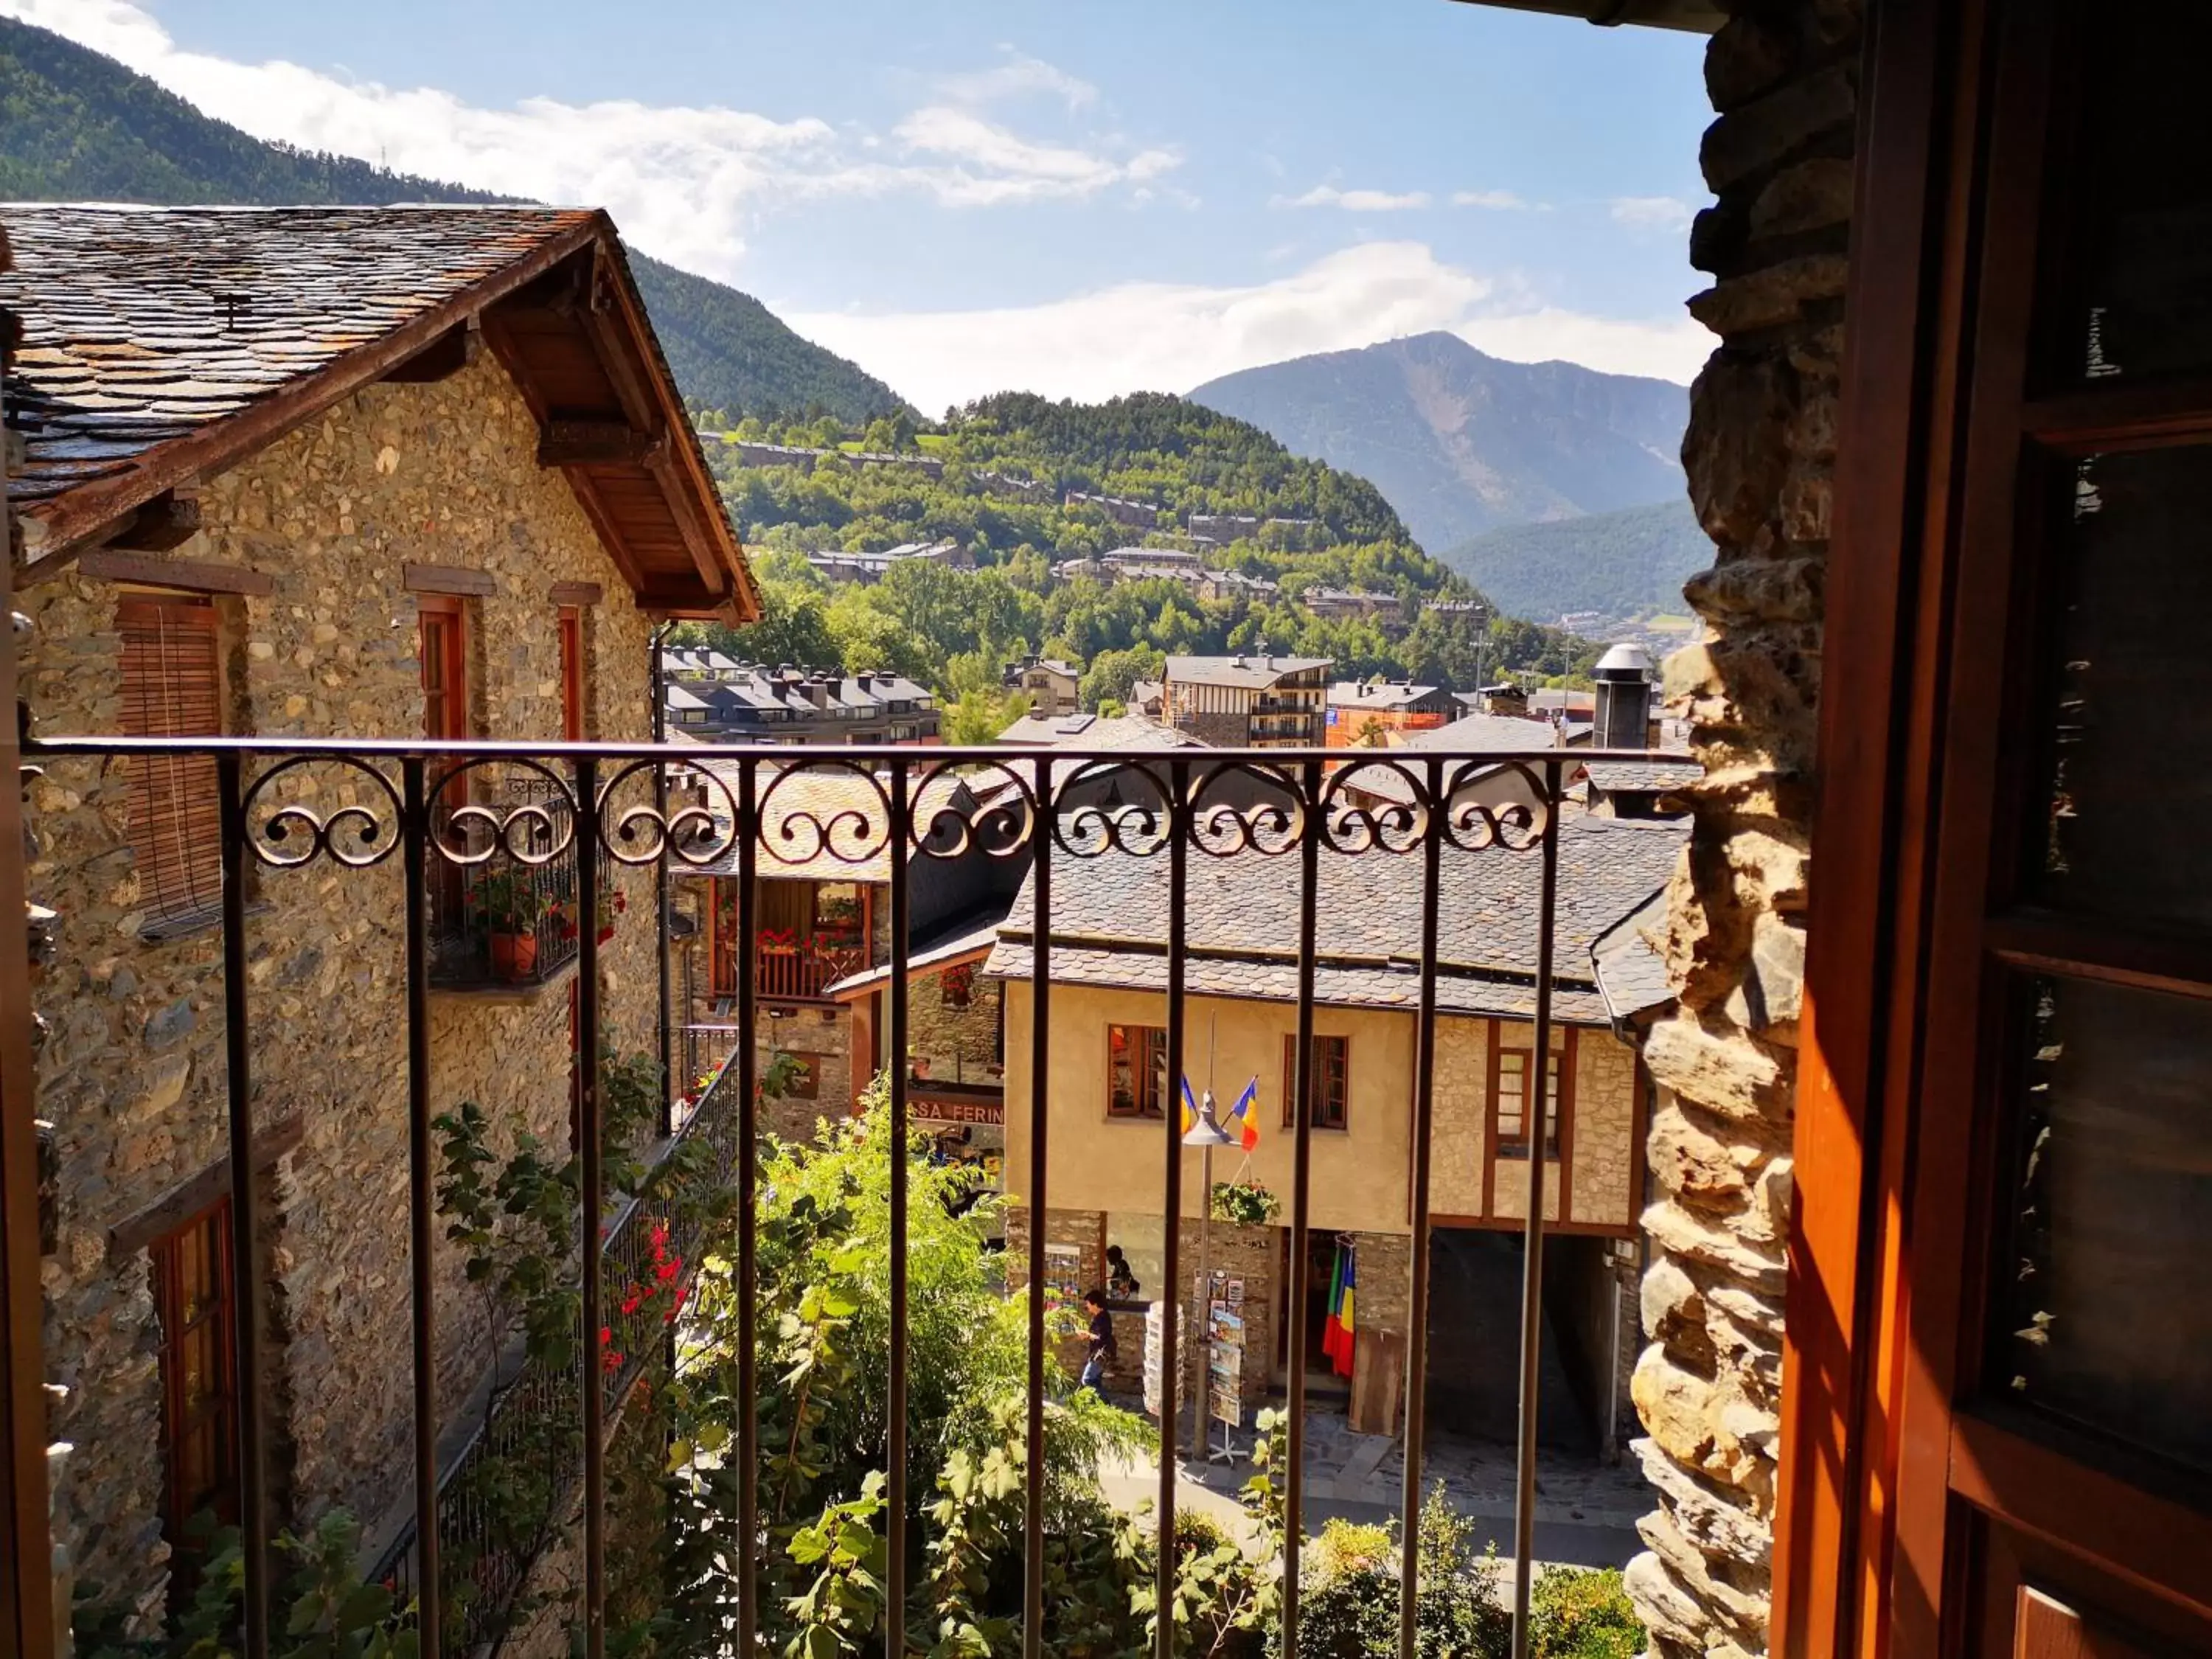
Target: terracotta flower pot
[514, 955]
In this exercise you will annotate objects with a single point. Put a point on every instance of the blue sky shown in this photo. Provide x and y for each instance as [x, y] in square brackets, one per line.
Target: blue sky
[1079, 198]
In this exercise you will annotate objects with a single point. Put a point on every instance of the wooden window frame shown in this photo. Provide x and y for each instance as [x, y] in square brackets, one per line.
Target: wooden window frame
[1336, 1070]
[1914, 1516]
[220, 1409]
[171, 684]
[575, 683]
[1558, 1091]
[1144, 1042]
[442, 645]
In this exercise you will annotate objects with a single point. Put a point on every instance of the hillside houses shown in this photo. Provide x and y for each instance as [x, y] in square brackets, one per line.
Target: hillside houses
[713, 697]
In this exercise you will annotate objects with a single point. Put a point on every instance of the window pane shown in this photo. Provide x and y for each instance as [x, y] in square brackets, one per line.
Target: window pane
[2144, 293]
[2099, 1317]
[2129, 710]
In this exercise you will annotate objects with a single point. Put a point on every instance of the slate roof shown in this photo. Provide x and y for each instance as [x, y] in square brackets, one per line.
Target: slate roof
[147, 333]
[1648, 777]
[1482, 734]
[1109, 922]
[1245, 672]
[1631, 976]
[1360, 694]
[142, 324]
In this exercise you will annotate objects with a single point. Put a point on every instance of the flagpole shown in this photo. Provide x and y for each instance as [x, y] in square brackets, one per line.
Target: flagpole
[1198, 1395]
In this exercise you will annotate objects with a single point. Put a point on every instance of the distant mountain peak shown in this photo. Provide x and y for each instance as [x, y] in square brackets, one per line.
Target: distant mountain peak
[1461, 443]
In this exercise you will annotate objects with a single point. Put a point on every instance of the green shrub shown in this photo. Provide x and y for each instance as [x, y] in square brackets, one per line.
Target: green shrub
[1583, 1613]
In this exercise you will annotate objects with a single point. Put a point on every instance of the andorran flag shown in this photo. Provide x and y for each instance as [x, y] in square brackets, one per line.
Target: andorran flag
[1189, 1108]
[1338, 1335]
[1244, 1117]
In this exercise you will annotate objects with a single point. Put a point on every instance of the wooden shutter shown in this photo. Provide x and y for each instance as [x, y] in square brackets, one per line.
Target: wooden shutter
[199, 1397]
[172, 685]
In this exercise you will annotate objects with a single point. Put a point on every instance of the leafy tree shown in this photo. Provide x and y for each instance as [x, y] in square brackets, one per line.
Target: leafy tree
[1113, 673]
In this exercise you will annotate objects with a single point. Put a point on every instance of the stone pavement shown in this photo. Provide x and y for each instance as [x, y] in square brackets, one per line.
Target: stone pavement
[1586, 1510]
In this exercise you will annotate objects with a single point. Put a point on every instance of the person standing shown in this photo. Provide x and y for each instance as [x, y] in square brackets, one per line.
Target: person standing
[1120, 1282]
[1102, 1341]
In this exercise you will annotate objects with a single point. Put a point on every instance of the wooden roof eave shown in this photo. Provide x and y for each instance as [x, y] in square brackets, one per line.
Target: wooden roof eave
[56, 529]
[681, 464]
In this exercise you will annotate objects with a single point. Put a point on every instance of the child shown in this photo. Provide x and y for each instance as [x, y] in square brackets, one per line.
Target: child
[1102, 1341]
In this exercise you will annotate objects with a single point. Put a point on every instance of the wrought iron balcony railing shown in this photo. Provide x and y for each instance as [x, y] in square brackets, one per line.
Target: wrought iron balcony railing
[513, 920]
[1034, 805]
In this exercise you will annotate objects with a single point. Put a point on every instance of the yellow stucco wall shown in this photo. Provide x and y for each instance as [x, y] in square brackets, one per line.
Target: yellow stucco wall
[1361, 1176]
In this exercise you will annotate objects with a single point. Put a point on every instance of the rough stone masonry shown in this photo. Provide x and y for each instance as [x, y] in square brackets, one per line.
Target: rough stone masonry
[1759, 452]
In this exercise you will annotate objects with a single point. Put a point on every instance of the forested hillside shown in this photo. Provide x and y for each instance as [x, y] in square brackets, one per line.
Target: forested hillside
[1627, 564]
[77, 126]
[1009, 464]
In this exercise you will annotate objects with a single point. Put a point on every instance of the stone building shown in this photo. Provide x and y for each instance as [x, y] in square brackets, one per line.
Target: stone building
[289, 474]
[821, 947]
[1256, 700]
[1111, 1099]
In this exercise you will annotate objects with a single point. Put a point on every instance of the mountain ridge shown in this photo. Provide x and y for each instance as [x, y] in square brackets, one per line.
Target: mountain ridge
[77, 125]
[1461, 442]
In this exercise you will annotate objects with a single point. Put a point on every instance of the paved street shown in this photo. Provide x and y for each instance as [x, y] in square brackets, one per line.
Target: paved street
[1586, 1511]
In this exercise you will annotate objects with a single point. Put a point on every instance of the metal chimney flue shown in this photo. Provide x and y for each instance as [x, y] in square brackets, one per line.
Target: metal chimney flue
[1624, 698]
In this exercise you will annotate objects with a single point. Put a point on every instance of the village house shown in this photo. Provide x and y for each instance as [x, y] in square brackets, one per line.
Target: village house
[1368, 711]
[1050, 684]
[714, 699]
[1110, 1100]
[1255, 700]
[399, 473]
[1354, 605]
[821, 944]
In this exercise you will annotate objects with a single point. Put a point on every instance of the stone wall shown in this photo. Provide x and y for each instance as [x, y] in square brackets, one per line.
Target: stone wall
[1758, 454]
[952, 1042]
[134, 1077]
[823, 1037]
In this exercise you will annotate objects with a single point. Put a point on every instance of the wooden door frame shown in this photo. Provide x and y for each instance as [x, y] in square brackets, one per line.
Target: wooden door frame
[26, 1603]
[1882, 1474]
[1845, 1449]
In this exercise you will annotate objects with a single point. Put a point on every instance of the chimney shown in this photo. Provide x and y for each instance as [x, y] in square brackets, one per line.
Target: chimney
[864, 679]
[1624, 699]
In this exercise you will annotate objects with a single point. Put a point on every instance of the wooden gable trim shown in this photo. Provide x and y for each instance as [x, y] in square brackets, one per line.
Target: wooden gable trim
[1490, 1121]
[195, 1193]
[56, 531]
[448, 579]
[184, 575]
[1566, 1122]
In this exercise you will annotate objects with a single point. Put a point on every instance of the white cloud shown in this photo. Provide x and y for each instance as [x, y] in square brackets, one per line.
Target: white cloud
[1652, 212]
[1018, 76]
[991, 165]
[1503, 200]
[684, 182]
[1168, 337]
[1355, 200]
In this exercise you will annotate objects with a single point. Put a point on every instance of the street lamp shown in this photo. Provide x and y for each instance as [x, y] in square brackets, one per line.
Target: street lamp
[1205, 1133]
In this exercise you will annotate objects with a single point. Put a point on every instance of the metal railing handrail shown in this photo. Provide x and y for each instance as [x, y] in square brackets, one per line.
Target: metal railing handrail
[1035, 817]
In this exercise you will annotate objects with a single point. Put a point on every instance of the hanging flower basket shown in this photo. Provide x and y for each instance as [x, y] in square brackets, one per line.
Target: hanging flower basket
[1245, 1203]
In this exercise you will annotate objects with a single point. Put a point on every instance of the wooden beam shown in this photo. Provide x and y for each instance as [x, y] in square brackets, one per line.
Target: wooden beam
[448, 579]
[444, 357]
[190, 1197]
[597, 443]
[185, 575]
[577, 593]
[697, 539]
[169, 521]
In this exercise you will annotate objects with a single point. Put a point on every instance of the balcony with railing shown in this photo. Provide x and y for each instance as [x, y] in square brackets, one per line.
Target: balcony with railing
[759, 1571]
[505, 916]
